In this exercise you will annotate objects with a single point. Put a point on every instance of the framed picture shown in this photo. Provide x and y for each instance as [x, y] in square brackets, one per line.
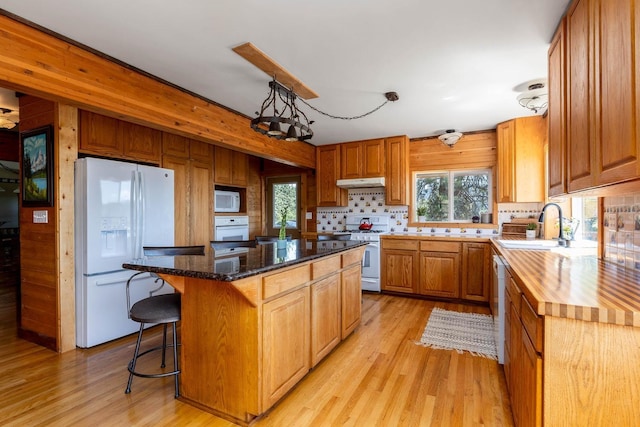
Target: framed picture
[37, 167]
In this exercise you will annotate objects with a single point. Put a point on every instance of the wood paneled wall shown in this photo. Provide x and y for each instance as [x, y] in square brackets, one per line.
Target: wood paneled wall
[38, 319]
[32, 61]
[9, 145]
[473, 151]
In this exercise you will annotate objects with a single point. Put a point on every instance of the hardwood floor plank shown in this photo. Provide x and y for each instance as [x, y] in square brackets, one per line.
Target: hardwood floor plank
[378, 376]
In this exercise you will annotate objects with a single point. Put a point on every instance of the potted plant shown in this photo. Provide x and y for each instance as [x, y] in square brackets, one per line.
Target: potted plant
[421, 211]
[532, 230]
[282, 235]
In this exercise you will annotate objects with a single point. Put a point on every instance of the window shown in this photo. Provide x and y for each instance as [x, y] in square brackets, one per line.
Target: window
[452, 196]
[283, 192]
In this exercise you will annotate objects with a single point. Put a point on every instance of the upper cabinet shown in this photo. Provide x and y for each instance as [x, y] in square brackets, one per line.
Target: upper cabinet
[386, 157]
[362, 159]
[397, 182]
[593, 74]
[105, 136]
[521, 160]
[230, 167]
[327, 173]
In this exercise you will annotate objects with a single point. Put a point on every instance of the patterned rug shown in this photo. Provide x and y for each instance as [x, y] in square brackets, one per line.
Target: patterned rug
[451, 330]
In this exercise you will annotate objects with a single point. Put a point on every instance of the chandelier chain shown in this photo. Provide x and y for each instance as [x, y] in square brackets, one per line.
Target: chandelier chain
[343, 117]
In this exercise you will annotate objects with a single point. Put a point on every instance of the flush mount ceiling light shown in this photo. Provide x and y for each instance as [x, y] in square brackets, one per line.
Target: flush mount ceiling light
[535, 98]
[450, 137]
[8, 118]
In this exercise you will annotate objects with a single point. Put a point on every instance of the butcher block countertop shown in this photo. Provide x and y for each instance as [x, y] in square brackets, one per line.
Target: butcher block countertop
[568, 285]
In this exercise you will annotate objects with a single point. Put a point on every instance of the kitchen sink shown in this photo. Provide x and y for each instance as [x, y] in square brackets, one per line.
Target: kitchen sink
[529, 244]
[576, 248]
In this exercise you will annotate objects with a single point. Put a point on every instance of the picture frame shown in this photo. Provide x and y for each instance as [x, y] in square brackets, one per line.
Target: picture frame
[37, 167]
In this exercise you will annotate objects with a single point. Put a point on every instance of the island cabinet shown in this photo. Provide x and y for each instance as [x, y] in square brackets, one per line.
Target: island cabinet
[521, 161]
[450, 269]
[595, 82]
[231, 167]
[245, 343]
[362, 159]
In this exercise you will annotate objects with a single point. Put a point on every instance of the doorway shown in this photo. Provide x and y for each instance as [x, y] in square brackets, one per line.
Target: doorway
[283, 195]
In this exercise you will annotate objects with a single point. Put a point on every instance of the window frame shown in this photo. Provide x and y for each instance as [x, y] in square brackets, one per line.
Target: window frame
[451, 174]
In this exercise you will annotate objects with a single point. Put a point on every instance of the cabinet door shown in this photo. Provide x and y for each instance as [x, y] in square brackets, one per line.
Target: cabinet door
[99, 135]
[530, 379]
[397, 179]
[399, 270]
[557, 140]
[616, 88]
[200, 203]
[325, 317]
[439, 274]
[506, 140]
[285, 344]
[239, 169]
[373, 162]
[175, 145]
[140, 142]
[180, 167]
[351, 299]
[327, 173]
[201, 151]
[579, 97]
[351, 160]
[515, 359]
[223, 166]
[476, 268]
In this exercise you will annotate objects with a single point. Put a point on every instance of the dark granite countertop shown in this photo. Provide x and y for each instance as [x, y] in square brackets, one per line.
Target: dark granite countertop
[242, 262]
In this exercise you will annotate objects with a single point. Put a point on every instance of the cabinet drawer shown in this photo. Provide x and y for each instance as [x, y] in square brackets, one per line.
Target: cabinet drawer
[325, 266]
[514, 294]
[410, 245]
[532, 324]
[439, 246]
[281, 282]
[352, 257]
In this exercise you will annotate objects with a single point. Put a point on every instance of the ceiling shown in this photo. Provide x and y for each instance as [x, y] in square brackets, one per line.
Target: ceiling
[455, 64]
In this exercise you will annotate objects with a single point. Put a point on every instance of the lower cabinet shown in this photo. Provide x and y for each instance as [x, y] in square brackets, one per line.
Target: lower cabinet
[451, 269]
[285, 343]
[325, 317]
[523, 360]
[351, 299]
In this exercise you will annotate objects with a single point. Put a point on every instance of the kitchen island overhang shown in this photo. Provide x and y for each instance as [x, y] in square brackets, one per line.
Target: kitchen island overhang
[250, 335]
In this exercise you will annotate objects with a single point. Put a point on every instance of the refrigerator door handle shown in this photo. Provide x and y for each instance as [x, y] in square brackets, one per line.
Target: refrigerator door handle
[141, 213]
[135, 215]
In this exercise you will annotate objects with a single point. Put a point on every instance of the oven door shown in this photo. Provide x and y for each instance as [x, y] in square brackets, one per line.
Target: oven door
[232, 232]
[371, 267]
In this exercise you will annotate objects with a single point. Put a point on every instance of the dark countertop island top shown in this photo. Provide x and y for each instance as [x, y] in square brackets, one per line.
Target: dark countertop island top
[241, 262]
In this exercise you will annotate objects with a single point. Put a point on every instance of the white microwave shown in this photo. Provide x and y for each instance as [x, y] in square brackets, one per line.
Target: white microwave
[226, 201]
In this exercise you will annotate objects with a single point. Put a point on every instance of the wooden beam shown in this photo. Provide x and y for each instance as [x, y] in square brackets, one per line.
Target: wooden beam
[41, 64]
[262, 61]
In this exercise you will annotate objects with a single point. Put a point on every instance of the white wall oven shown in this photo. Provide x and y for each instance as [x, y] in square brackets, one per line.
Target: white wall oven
[230, 228]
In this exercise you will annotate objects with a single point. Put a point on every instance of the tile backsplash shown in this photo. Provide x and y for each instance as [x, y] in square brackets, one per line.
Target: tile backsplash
[621, 224]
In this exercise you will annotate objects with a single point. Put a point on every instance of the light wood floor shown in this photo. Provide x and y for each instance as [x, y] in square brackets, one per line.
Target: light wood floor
[377, 377]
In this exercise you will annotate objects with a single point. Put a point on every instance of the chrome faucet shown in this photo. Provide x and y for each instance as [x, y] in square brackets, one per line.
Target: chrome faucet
[561, 239]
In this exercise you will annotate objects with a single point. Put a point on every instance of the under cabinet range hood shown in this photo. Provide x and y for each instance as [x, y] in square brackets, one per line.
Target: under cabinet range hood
[361, 182]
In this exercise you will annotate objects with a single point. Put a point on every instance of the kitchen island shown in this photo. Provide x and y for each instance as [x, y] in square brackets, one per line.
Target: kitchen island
[256, 320]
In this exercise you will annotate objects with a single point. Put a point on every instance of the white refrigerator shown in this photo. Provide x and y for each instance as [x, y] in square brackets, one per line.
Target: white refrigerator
[119, 208]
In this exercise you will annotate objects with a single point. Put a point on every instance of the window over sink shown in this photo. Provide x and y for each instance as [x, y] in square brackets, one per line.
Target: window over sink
[451, 196]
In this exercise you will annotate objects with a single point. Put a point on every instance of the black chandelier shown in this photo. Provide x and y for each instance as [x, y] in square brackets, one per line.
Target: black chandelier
[299, 125]
[289, 114]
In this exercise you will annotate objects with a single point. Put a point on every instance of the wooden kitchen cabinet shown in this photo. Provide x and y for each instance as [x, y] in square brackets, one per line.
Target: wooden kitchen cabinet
[325, 317]
[397, 179]
[285, 344]
[327, 173]
[598, 90]
[231, 167]
[193, 188]
[556, 155]
[439, 269]
[351, 299]
[399, 265]
[521, 162]
[476, 271]
[362, 159]
[105, 136]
